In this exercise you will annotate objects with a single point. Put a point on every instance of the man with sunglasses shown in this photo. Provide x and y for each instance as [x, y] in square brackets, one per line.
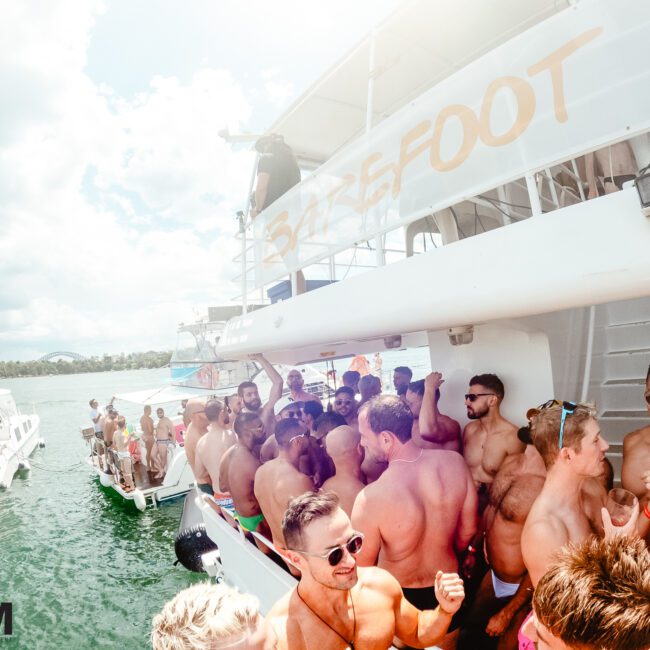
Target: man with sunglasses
[338, 605]
[635, 473]
[345, 404]
[489, 438]
[421, 512]
[568, 437]
[280, 480]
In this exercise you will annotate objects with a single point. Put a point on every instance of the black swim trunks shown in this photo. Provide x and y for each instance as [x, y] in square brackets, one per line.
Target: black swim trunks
[425, 598]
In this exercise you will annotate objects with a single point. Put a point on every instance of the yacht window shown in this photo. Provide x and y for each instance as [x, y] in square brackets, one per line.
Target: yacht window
[17, 432]
[25, 426]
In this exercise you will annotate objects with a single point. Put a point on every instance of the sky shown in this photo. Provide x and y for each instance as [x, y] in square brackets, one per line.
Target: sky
[117, 194]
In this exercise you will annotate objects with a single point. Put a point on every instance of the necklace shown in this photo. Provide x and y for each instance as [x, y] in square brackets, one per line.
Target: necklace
[403, 460]
[354, 619]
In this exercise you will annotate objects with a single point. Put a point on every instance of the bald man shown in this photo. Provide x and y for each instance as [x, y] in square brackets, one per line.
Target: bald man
[197, 428]
[342, 446]
[211, 448]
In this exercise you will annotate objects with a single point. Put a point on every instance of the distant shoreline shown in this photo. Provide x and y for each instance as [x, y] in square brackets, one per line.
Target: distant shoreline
[133, 361]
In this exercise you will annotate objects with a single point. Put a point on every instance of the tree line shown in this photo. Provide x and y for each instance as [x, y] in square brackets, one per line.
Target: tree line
[105, 363]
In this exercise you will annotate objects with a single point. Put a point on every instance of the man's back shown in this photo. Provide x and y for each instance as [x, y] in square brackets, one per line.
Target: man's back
[242, 468]
[420, 509]
[146, 425]
[346, 487]
[276, 483]
[210, 449]
[192, 437]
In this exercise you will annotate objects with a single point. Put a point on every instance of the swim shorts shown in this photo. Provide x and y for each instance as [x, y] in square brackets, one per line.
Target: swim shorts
[425, 598]
[249, 523]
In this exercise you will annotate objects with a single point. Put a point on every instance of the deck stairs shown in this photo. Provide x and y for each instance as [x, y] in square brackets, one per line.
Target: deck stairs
[621, 355]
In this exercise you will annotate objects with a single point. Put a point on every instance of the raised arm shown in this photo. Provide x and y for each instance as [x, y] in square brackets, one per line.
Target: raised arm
[422, 629]
[276, 380]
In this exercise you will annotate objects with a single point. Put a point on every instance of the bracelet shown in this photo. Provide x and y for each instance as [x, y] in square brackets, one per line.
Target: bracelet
[646, 512]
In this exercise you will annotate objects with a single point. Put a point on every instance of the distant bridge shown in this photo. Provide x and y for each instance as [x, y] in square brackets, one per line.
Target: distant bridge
[72, 355]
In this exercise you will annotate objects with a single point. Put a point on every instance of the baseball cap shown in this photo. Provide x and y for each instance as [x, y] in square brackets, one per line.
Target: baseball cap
[283, 402]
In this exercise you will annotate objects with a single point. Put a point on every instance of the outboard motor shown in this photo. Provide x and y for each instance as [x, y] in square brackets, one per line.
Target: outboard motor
[192, 541]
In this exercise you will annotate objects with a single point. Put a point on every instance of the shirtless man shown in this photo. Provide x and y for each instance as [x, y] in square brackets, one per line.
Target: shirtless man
[239, 469]
[342, 446]
[346, 405]
[489, 438]
[402, 376]
[421, 511]
[351, 378]
[568, 438]
[501, 602]
[279, 480]
[165, 437]
[148, 437]
[109, 426]
[369, 387]
[431, 429]
[121, 439]
[198, 427]
[210, 449]
[607, 169]
[635, 473]
[295, 382]
[338, 605]
[250, 396]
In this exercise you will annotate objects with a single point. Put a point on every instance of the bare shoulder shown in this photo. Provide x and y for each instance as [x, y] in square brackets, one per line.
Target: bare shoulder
[634, 438]
[281, 608]
[445, 458]
[471, 429]
[379, 580]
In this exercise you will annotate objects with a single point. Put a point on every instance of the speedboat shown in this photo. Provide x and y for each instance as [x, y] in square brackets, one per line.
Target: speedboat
[19, 437]
[447, 202]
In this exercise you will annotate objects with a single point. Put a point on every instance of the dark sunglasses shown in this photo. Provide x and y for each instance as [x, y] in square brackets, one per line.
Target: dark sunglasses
[335, 555]
[294, 414]
[472, 397]
[568, 408]
[339, 402]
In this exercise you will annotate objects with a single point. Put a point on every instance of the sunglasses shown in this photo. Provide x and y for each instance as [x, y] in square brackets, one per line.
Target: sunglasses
[472, 397]
[568, 408]
[339, 402]
[293, 414]
[335, 555]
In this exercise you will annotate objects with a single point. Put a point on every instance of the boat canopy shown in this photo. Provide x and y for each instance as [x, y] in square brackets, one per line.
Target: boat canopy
[163, 395]
[415, 47]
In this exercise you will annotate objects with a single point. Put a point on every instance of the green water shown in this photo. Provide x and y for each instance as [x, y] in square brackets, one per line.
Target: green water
[81, 568]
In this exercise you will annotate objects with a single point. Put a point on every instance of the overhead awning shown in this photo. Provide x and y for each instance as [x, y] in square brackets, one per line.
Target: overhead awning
[165, 394]
[417, 46]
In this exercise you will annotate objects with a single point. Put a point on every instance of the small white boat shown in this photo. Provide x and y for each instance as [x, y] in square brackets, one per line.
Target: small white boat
[19, 437]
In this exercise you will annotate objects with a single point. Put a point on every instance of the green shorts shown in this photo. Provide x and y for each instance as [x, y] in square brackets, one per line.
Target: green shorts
[249, 523]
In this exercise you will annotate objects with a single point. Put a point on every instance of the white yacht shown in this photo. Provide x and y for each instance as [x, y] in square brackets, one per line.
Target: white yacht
[446, 174]
[19, 437]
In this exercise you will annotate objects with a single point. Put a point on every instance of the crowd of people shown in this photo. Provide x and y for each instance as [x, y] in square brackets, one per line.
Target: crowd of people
[405, 528]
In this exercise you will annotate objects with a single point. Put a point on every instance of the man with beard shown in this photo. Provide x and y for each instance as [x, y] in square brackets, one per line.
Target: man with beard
[489, 438]
[240, 468]
[431, 429]
[402, 376]
[338, 605]
[420, 513]
[280, 480]
[211, 448]
[295, 382]
[250, 396]
[568, 438]
[346, 405]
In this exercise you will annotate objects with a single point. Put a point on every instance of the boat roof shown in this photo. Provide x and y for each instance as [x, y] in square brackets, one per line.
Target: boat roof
[164, 394]
[418, 45]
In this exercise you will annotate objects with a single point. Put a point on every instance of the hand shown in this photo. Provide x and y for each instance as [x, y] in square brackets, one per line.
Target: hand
[612, 531]
[467, 567]
[449, 592]
[433, 381]
[498, 623]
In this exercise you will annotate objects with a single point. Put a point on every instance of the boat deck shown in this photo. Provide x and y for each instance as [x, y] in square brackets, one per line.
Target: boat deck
[143, 479]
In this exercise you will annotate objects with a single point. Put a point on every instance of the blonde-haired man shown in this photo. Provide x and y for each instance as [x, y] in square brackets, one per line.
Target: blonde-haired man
[207, 616]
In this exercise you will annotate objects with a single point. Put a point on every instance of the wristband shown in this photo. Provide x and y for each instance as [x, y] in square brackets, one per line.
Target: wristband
[646, 512]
